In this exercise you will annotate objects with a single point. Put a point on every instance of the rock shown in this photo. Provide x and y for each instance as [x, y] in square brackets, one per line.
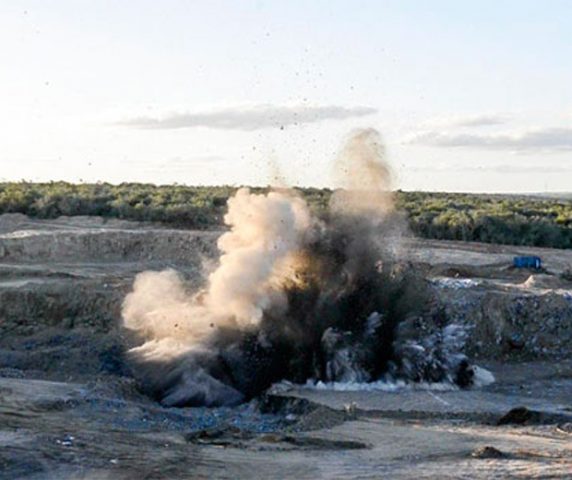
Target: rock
[488, 452]
[67, 322]
[565, 428]
[520, 416]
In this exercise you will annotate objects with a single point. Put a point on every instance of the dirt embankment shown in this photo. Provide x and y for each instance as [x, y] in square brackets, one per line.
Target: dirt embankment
[62, 283]
[74, 273]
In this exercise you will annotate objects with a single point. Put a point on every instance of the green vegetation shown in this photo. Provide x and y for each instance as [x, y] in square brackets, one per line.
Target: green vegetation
[505, 219]
[508, 219]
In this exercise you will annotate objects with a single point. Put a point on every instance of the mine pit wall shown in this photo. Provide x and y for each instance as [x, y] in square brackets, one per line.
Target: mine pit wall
[179, 247]
[65, 304]
[502, 325]
[76, 279]
[512, 325]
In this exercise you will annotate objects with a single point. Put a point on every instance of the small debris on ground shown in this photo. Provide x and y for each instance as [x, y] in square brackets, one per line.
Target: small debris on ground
[520, 416]
[488, 452]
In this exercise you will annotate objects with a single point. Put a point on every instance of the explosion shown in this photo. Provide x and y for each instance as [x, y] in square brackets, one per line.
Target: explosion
[299, 298]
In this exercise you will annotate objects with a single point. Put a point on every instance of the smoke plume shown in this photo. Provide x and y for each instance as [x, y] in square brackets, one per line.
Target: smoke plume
[297, 297]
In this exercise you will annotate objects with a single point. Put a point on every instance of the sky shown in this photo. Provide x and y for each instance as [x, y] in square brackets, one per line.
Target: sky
[469, 96]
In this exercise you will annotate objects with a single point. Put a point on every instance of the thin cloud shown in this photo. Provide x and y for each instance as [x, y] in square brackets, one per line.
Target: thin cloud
[250, 118]
[545, 139]
[483, 120]
[503, 168]
[185, 164]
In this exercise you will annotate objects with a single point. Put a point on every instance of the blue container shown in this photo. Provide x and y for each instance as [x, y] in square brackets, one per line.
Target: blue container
[527, 262]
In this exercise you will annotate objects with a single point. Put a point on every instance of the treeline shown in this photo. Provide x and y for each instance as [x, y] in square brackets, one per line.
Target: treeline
[197, 207]
[505, 219]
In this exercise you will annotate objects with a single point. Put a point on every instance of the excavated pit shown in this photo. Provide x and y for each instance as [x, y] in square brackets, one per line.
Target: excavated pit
[69, 407]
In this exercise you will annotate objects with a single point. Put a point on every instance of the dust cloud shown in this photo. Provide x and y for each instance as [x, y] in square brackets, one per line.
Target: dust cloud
[296, 297]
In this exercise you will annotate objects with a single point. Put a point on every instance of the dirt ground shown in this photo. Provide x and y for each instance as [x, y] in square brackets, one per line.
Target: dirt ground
[60, 430]
[69, 408]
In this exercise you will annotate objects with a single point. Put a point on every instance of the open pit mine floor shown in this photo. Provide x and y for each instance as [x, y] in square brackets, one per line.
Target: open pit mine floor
[70, 409]
[104, 429]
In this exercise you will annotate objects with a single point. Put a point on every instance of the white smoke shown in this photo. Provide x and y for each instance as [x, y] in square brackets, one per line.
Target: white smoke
[257, 255]
[364, 177]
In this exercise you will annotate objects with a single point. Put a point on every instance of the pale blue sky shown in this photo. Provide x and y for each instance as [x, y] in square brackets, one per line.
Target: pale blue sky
[469, 96]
